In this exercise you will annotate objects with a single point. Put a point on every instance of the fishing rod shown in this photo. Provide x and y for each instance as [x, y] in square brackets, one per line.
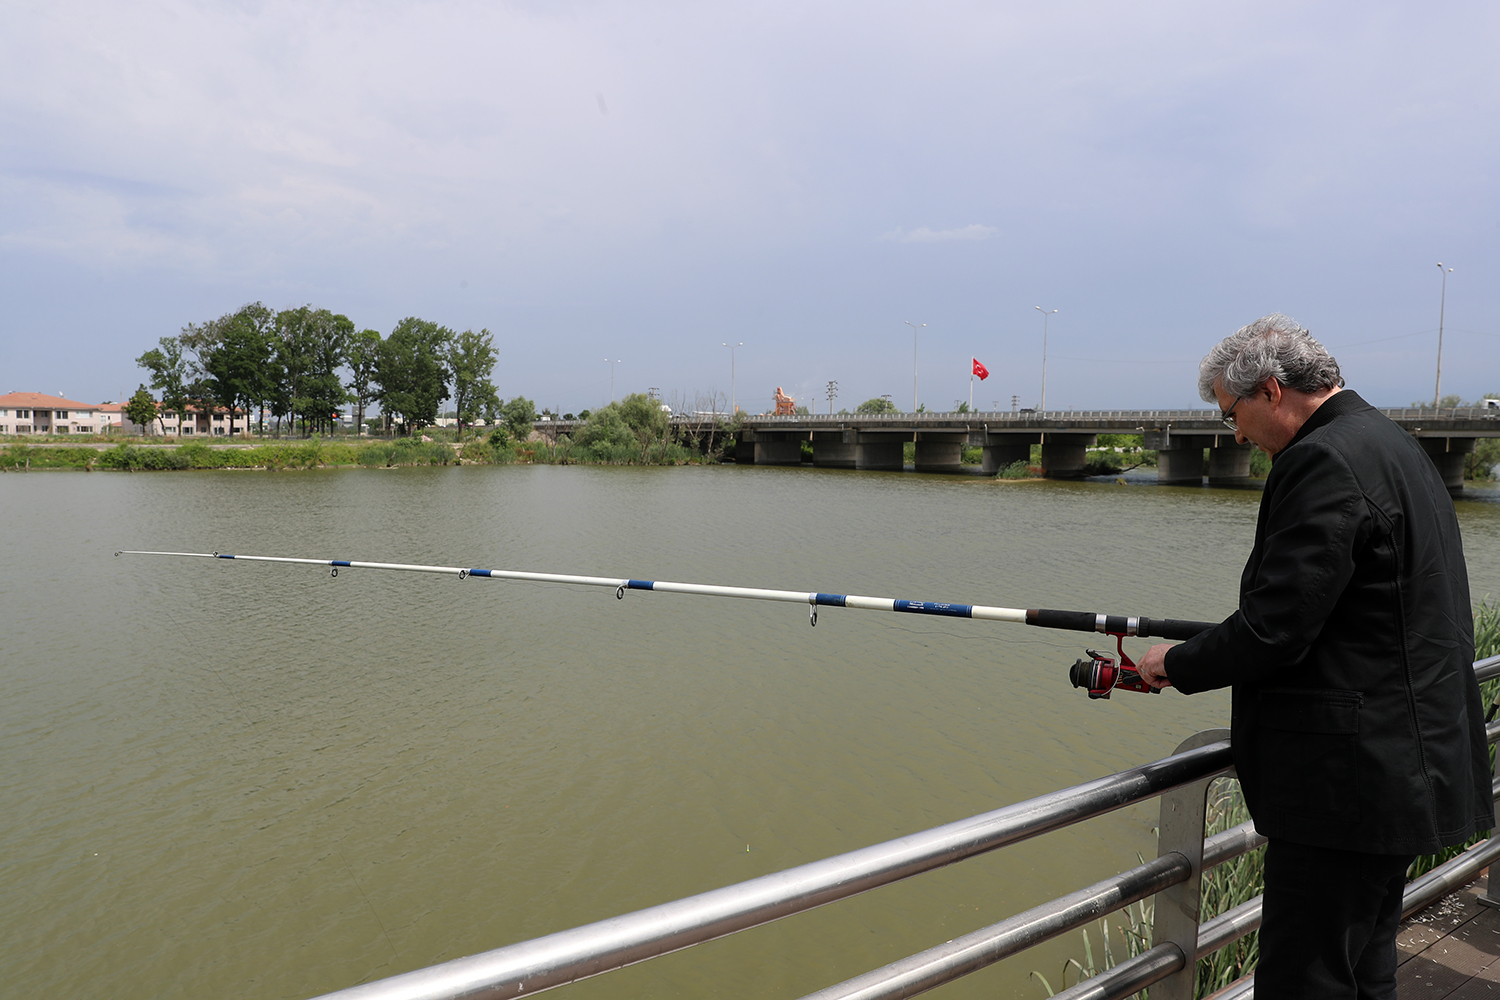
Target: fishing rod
[1100, 674]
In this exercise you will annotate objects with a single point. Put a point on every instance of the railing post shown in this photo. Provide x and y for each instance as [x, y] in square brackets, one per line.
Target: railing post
[1489, 897]
[1177, 910]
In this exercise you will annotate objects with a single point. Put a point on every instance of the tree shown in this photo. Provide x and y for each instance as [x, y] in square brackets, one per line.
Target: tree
[323, 392]
[519, 414]
[308, 351]
[141, 409]
[471, 362]
[237, 361]
[410, 371]
[169, 376]
[879, 404]
[362, 355]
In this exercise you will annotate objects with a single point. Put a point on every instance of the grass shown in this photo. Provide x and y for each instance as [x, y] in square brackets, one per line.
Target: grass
[320, 454]
[1241, 879]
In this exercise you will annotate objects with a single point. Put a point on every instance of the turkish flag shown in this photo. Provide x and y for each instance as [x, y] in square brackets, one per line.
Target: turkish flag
[981, 370]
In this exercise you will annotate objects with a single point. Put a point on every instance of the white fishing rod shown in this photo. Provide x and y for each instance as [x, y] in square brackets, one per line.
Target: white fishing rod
[1099, 675]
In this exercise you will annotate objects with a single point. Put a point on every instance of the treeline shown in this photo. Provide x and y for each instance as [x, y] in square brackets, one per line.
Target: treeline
[303, 365]
[634, 431]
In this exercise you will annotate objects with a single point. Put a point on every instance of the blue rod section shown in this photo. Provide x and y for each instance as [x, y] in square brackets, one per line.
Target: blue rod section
[935, 608]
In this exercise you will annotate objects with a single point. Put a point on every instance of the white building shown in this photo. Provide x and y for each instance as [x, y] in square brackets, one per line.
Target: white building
[39, 413]
[206, 423]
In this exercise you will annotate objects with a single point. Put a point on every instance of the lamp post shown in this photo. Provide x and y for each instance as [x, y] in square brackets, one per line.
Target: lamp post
[1442, 304]
[612, 377]
[733, 406]
[914, 329]
[1046, 316]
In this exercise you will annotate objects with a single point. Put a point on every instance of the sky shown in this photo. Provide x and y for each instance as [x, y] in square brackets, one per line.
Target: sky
[645, 182]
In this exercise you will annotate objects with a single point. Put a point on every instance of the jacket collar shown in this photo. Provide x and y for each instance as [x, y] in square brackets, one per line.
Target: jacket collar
[1337, 405]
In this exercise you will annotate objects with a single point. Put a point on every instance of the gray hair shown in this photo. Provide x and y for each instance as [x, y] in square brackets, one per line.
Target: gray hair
[1274, 346]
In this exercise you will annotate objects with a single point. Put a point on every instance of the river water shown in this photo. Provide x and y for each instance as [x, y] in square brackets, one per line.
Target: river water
[243, 780]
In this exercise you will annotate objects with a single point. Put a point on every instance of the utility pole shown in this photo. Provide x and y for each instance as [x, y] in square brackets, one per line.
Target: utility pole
[1442, 304]
[914, 329]
[611, 377]
[833, 390]
[735, 406]
[1045, 317]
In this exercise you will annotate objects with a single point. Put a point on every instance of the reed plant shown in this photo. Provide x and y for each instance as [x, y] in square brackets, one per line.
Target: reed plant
[1223, 888]
[1020, 469]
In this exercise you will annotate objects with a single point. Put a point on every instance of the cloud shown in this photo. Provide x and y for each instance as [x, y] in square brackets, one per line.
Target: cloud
[973, 231]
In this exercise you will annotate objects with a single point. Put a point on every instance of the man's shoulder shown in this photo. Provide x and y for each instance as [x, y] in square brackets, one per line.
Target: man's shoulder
[1352, 427]
[1362, 446]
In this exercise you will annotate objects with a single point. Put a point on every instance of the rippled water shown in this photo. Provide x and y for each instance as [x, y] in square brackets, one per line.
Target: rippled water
[242, 780]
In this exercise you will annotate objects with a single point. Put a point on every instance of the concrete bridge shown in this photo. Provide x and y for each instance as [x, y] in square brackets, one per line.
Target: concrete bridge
[1178, 436]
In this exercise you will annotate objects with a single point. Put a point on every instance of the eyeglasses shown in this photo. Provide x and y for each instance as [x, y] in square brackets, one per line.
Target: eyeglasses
[1228, 418]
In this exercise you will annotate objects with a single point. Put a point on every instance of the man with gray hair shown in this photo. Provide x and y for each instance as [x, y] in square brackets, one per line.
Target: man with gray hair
[1357, 727]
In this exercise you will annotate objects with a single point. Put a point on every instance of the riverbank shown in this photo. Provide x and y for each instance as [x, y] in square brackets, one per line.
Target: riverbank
[315, 454]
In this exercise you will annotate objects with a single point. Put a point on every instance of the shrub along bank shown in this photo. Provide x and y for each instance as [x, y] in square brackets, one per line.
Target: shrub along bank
[313, 454]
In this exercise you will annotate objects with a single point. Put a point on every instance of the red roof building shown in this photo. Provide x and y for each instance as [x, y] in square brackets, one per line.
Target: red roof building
[39, 413]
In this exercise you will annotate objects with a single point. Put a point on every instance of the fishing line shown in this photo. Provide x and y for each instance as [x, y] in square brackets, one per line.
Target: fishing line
[355, 878]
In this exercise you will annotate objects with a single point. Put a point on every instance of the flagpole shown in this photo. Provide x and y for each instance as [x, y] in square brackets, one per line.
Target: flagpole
[971, 388]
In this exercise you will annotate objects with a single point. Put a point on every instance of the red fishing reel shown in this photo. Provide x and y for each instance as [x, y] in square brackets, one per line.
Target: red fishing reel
[1101, 673]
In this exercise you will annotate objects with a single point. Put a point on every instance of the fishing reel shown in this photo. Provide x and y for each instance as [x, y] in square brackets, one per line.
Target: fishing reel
[1101, 673]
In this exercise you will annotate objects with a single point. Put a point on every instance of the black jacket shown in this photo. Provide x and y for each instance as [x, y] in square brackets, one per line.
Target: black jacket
[1357, 722]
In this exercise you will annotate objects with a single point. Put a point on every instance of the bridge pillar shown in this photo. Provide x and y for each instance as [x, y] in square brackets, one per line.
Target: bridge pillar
[835, 449]
[1229, 464]
[881, 452]
[1064, 455]
[778, 447]
[743, 451]
[1448, 455]
[939, 452]
[1002, 449]
[998, 456]
[1180, 466]
[1179, 457]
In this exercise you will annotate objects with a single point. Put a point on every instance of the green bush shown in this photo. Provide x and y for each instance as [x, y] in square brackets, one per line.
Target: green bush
[633, 431]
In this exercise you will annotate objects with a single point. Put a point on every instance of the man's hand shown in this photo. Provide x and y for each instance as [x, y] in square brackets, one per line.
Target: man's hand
[1153, 666]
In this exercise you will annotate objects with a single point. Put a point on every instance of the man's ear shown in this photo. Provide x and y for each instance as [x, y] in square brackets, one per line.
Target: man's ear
[1272, 390]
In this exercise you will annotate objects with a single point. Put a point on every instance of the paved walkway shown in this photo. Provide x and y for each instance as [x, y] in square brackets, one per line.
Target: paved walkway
[1451, 950]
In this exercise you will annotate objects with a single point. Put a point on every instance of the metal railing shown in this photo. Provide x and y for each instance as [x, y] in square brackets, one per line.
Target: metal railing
[1181, 780]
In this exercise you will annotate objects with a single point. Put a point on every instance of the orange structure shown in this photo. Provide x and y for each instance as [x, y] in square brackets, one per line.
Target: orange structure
[785, 405]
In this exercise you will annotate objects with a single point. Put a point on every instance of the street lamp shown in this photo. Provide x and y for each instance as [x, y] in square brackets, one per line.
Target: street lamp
[734, 407]
[914, 329]
[1045, 317]
[612, 377]
[1442, 303]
